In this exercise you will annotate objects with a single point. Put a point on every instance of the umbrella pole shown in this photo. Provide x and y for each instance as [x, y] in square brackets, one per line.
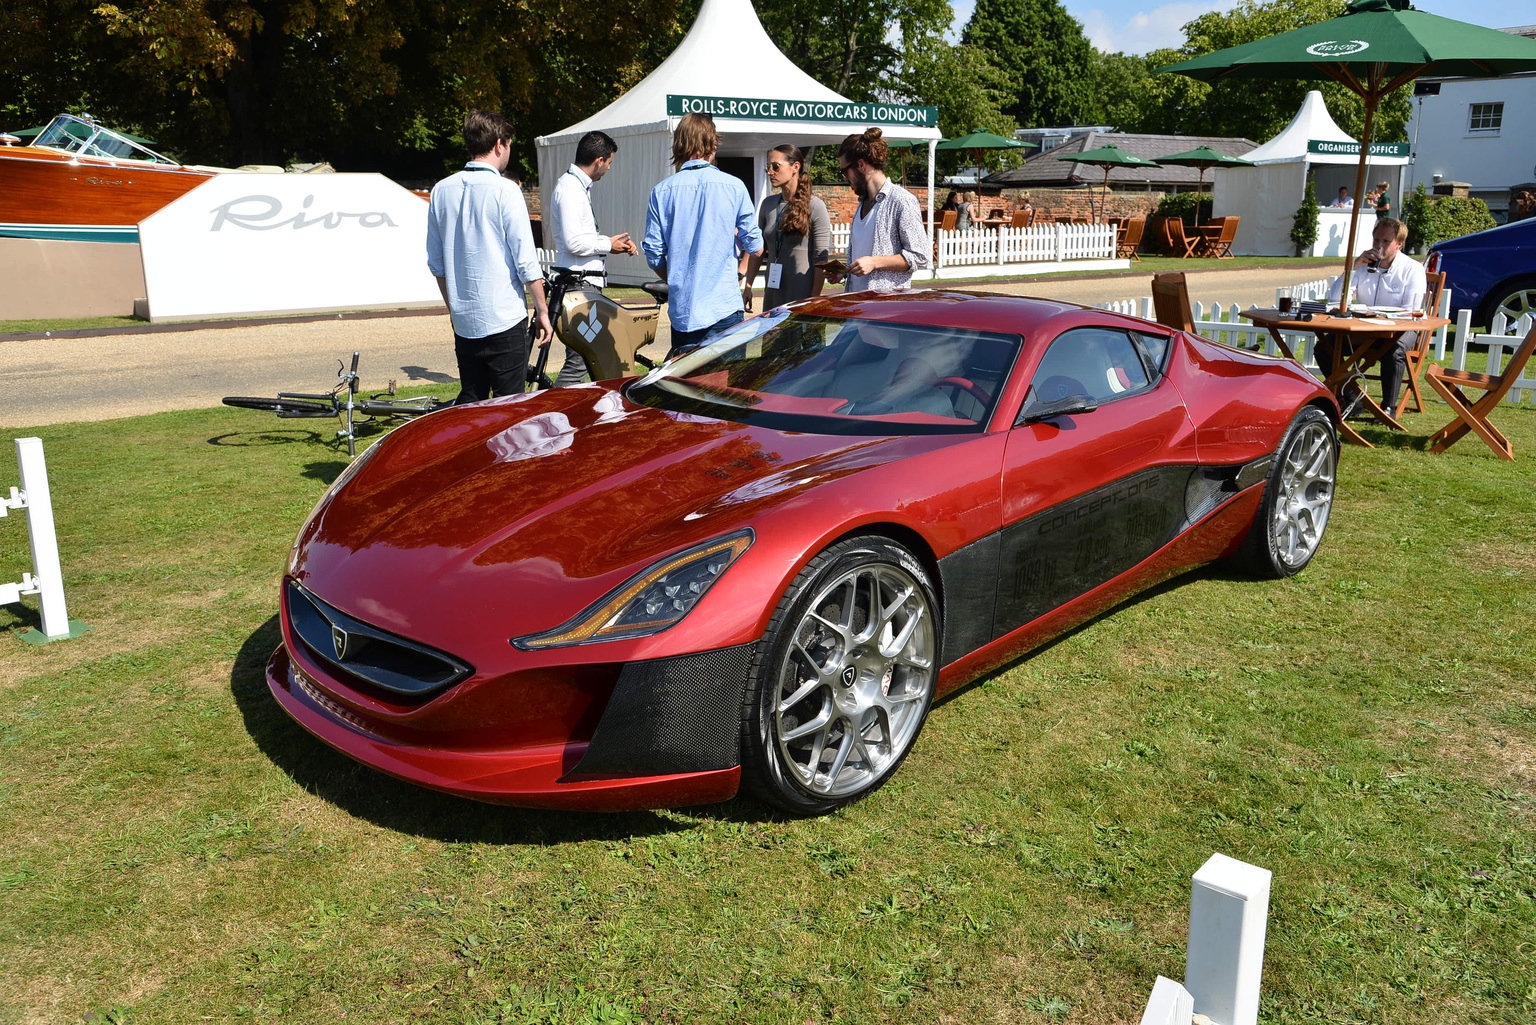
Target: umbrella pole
[1370, 98]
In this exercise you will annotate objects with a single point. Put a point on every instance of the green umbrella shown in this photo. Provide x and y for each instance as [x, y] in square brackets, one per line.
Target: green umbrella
[1109, 157]
[1202, 157]
[906, 146]
[978, 141]
[1376, 46]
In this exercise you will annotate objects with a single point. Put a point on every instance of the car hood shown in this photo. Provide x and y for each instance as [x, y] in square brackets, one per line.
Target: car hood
[565, 493]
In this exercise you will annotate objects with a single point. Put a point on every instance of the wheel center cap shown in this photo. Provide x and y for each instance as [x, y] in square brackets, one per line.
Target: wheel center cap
[849, 675]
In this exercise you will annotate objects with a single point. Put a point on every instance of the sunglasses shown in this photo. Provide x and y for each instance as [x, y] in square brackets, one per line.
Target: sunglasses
[845, 169]
[774, 165]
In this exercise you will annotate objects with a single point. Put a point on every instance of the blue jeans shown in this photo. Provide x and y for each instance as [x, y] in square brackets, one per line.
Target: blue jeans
[682, 341]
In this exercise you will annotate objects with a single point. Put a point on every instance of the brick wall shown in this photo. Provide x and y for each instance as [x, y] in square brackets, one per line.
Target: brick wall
[1059, 203]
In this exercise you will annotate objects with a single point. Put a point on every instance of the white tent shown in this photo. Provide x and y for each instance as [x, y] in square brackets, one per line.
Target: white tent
[1266, 195]
[727, 44]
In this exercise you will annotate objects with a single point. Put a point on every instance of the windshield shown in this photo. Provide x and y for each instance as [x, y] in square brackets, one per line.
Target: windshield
[72, 135]
[832, 376]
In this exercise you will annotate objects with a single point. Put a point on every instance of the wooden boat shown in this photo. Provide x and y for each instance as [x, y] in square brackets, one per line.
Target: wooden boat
[83, 182]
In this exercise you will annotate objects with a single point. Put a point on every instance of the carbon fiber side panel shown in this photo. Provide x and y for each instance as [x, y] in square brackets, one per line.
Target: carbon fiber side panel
[969, 579]
[671, 715]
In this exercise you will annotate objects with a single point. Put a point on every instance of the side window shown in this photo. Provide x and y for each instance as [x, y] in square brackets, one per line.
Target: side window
[1100, 363]
[1154, 352]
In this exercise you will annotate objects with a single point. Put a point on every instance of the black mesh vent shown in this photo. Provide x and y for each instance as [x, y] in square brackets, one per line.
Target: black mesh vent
[386, 661]
[671, 715]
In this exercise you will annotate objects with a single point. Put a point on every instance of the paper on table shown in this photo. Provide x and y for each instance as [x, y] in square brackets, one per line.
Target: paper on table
[1378, 321]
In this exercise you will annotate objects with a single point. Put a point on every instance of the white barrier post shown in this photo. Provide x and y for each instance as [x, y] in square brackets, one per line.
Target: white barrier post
[1228, 909]
[1170, 1004]
[47, 578]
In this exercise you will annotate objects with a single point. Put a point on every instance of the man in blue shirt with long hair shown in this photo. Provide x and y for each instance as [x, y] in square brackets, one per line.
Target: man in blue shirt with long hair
[699, 228]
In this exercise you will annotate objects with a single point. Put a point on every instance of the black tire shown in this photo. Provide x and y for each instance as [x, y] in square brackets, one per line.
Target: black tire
[282, 407]
[1513, 298]
[1298, 498]
[380, 407]
[825, 664]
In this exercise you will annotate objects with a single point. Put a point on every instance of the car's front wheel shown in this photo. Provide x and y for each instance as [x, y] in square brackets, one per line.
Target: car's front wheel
[1298, 499]
[843, 678]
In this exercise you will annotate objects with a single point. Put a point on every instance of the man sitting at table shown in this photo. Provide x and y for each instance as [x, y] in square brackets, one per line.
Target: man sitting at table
[1343, 202]
[1383, 276]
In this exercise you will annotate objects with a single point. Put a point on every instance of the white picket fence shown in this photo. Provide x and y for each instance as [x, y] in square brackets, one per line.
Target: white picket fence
[1042, 243]
[1222, 322]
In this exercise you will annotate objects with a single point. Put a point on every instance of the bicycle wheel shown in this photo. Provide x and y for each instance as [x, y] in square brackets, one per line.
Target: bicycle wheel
[282, 407]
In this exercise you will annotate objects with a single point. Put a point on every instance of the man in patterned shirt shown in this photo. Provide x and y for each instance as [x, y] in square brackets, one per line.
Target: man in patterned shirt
[886, 242]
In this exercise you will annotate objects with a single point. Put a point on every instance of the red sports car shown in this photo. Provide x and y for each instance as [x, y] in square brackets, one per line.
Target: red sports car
[760, 563]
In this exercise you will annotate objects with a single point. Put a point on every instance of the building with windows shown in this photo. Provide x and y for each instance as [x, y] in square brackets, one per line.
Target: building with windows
[1470, 130]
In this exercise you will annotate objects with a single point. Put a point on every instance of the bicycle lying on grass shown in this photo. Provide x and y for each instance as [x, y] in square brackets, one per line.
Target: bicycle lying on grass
[342, 401]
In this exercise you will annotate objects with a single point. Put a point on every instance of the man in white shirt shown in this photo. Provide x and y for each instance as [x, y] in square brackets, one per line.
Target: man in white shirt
[480, 249]
[1343, 202]
[578, 245]
[1383, 276]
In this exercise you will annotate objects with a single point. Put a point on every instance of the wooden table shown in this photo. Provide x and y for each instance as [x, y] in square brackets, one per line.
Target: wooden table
[1371, 337]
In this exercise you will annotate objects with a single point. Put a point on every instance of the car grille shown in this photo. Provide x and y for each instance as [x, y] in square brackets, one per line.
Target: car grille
[382, 659]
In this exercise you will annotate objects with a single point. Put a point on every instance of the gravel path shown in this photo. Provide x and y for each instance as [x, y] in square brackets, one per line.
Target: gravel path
[123, 373]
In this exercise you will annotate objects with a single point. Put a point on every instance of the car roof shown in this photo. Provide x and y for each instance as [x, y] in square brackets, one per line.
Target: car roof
[1502, 235]
[954, 308]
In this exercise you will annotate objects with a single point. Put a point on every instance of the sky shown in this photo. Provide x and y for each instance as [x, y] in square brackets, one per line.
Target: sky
[1137, 26]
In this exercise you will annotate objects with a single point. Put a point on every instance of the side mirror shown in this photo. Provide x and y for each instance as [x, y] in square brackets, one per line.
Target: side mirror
[1069, 406]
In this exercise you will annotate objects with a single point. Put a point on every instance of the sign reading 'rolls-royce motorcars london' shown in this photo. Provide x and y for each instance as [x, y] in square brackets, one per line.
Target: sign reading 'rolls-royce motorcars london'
[832, 112]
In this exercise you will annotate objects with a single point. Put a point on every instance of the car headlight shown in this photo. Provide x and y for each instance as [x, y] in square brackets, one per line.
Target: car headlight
[649, 602]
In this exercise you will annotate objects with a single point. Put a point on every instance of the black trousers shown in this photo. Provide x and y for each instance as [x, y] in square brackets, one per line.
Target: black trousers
[494, 365]
[1394, 365]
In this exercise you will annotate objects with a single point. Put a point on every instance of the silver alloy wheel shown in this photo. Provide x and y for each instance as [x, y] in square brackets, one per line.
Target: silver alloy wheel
[1516, 305]
[853, 690]
[1304, 494]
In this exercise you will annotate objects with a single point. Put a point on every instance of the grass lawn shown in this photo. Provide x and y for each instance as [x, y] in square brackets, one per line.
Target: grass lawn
[174, 850]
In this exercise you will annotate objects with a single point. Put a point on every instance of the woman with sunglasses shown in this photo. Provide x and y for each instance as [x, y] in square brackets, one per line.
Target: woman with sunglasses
[796, 233]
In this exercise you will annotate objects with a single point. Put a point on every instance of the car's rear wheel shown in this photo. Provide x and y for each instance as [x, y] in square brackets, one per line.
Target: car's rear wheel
[843, 678]
[1514, 299]
[1298, 498]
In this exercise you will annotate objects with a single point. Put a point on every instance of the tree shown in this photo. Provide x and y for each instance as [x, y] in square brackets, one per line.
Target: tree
[1042, 50]
[1258, 108]
[1304, 222]
[854, 46]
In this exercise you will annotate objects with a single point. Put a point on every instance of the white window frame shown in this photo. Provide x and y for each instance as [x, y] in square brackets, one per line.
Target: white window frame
[1491, 115]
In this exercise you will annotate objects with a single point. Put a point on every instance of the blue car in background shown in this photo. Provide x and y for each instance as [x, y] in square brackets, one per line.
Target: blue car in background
[1491, 271]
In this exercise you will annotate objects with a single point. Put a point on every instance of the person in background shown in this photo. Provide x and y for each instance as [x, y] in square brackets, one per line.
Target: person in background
[480, 249]
[1384, 277]
[578, 246]
[951, 202]
[1343, 202]
[796, 233]
[965, 211]
[886, 241]
[1029, 209]
[1383, 199]
[699, 230]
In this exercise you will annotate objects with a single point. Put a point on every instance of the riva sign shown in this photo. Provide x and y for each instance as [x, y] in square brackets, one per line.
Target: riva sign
[255, 243]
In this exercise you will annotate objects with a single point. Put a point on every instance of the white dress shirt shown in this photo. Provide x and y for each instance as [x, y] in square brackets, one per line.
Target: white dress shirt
[572, 225]
[1393, 286]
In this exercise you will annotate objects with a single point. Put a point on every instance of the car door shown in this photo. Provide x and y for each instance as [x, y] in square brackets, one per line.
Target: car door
[1088, 495]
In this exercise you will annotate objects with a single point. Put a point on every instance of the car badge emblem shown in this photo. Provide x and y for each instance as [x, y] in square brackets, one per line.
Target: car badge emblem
[339, 638]
[849, 675]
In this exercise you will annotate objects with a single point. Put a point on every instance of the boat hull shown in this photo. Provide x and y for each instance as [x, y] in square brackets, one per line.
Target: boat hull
[52, 196]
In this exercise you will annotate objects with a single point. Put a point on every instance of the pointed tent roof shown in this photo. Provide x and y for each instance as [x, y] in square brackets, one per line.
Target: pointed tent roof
[1312, 123]
[725, 38]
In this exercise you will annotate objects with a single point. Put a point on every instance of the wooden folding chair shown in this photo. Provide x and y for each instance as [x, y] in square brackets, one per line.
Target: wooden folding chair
[996, 214]
[1130, 238]
[1021, 218]
[1419, 354]
[1221, 245]
[1473, 416]
[948, 223]
[1178, 243]
[1170, 301]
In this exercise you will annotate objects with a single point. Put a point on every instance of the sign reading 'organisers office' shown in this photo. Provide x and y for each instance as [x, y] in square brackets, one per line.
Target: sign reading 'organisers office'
[1352, 149]
[844, 112]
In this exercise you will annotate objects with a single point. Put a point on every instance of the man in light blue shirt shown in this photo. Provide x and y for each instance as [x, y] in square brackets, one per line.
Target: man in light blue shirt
[480, 249]
[699, 228]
